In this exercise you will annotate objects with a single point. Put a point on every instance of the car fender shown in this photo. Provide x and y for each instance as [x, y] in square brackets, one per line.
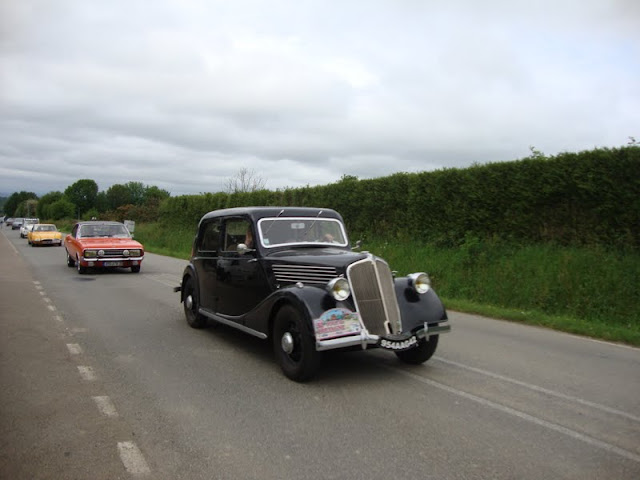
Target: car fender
[189, 271]
[310, 301]
[417, 309]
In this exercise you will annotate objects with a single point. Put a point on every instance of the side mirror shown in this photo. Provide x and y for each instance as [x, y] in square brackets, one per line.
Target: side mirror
[357, 245]
[243, 249]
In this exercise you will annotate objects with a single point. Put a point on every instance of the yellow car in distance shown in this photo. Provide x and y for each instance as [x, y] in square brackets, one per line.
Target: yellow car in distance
[44, 234]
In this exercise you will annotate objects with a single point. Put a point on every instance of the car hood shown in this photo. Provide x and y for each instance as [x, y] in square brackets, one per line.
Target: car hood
[327, 256]
[108, 242]
[46, 234]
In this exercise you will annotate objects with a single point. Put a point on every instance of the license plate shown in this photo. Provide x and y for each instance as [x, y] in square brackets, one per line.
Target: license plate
[398, 344]
[112, 264]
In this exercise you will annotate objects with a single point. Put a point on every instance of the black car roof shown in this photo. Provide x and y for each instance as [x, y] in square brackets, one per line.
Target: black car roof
[256, 213]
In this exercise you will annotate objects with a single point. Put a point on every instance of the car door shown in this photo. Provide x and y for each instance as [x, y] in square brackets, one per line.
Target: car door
[205, 261]
[71, 242]
[241, 284]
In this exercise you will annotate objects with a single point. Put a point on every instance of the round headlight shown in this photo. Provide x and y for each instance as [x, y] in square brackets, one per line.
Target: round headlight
[125, 253]
[339, 288]
[420, 282]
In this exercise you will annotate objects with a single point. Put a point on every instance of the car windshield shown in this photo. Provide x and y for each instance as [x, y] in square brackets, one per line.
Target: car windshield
[45, 228]
[103, 230]
[280, 231]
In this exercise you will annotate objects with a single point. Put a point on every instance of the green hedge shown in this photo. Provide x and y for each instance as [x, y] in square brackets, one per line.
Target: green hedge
[588, 198]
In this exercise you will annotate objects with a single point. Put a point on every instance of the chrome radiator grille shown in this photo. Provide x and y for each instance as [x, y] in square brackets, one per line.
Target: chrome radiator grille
[304, 273]
[112, 252]
[373, 291]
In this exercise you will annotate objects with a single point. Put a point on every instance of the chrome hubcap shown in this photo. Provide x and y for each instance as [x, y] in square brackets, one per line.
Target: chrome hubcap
[287, 343]
[188, 302]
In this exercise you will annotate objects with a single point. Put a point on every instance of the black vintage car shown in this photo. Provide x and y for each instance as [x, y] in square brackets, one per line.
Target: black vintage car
[289, 274]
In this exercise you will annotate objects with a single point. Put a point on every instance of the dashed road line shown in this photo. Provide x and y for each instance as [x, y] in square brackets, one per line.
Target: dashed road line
[132, 458]
[74, 348]
[105, 405]
[87, 373]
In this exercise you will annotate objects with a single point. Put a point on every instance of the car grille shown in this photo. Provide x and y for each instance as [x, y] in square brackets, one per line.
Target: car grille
[304, 273]
[112, 253]
[374, 294]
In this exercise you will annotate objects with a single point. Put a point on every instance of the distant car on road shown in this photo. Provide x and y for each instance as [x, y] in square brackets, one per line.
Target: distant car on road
[44, 234]
[8, 221]
[17, 223]
[97, 244]
[290, 275]
[27, 224]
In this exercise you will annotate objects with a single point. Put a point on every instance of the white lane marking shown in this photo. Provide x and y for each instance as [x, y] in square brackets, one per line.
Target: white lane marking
[132, 458]
[105, 406]
[35, 282]
[523, 416]
[46, 299]
[57, 318]
[87, 373]
[74, 348]
[536, 388]
[42, 292]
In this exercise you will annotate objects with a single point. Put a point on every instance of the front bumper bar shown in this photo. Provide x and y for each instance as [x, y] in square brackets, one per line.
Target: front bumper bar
[366, 340]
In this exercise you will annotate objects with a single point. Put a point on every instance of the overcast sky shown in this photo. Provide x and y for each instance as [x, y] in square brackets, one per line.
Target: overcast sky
[182, 94]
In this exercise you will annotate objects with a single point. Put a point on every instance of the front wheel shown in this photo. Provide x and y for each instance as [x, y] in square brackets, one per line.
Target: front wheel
[294, 346]
[135, 268]
[191, 305]
[81, 270]
[423, 352]
[70, 261]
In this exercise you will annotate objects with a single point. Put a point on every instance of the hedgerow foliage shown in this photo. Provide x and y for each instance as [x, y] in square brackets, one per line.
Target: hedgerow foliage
[586, 198]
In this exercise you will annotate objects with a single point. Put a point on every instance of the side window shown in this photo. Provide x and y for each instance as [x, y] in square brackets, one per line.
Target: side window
[74, 232]
[210, 239]
[237, 230]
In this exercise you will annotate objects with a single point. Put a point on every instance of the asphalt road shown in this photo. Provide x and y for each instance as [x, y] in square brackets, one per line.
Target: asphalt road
[103, 379]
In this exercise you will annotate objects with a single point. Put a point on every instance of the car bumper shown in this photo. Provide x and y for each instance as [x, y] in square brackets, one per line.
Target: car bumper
[110, 262]
[365, 340]
[46, 241]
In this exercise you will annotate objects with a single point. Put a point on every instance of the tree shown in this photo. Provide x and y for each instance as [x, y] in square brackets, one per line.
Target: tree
[27, 208]
[44, 202]
[136, 192]
[245, 181]
[60, 209]
[118, 195]
[14, 201]
[82, 194]
[154, 195]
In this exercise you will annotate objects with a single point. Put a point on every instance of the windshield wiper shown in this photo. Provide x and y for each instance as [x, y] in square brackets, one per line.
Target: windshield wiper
[312, 224]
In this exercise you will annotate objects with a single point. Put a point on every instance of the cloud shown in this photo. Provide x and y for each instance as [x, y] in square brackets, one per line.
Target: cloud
[185, 93]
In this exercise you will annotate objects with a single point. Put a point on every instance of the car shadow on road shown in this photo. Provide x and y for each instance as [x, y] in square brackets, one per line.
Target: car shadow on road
[338, 366]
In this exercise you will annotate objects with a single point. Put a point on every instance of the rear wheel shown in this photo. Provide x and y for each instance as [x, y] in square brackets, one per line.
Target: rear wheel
[191, 304]
[423, 352]
[294, 345]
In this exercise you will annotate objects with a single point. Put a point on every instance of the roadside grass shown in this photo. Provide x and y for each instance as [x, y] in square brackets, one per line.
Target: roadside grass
[172, 242]
[584, 291]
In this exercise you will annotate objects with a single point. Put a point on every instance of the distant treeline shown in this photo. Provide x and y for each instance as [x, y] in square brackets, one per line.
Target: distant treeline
[586, 198]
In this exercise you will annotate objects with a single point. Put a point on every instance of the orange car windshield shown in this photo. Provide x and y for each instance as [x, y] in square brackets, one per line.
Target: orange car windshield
[89, 231]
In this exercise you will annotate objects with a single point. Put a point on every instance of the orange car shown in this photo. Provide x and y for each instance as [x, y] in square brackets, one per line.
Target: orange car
[102, 245]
